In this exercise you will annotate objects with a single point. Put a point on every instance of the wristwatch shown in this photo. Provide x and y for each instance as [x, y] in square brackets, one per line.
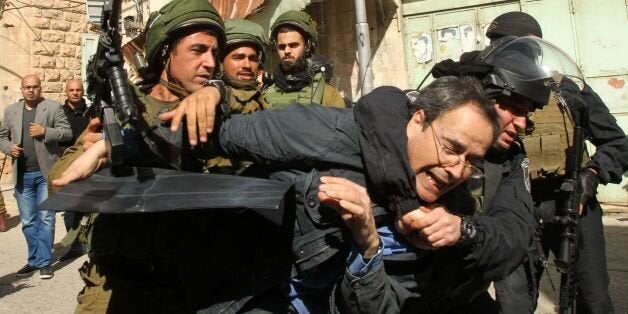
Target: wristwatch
[222, 90]
[468, 232]
[220, 85]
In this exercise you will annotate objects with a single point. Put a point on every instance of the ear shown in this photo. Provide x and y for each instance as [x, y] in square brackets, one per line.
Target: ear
[418, 117]
[415, 125]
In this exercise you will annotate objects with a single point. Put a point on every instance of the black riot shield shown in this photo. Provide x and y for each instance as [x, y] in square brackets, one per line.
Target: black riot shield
[158, 190]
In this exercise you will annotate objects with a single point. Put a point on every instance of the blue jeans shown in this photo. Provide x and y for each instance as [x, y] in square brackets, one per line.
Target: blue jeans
[38, 226]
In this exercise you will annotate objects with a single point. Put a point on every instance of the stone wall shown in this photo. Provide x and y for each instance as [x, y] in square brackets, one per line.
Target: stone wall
[43, 38]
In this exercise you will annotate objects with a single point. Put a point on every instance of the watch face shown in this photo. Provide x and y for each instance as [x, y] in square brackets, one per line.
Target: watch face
[220, 85]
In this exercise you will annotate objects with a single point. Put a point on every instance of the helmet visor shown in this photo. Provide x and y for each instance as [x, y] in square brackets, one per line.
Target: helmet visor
[532, 58]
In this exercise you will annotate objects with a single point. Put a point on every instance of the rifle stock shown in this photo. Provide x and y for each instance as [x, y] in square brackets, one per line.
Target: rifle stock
[107, 83]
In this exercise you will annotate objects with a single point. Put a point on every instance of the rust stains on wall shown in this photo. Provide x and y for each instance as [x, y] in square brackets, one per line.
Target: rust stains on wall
[616, 83]
[230, 9]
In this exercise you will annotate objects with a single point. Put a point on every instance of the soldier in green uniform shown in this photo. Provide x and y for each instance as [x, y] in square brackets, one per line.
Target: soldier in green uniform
[297, 77]
[241, 63]
[173, 262]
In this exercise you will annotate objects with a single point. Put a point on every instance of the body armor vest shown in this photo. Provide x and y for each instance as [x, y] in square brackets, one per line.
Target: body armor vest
[546, 146]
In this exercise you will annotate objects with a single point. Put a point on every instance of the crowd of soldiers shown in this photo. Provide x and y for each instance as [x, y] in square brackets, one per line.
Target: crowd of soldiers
[408, 201]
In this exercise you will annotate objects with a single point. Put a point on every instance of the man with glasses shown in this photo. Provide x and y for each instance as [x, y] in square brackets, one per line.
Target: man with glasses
[31, 131]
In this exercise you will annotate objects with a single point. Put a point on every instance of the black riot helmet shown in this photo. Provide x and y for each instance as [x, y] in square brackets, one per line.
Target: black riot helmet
[521, 67]
[527, 67]
[514, 23]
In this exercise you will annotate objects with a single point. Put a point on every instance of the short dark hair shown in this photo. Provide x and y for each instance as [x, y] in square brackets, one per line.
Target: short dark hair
[450, 92]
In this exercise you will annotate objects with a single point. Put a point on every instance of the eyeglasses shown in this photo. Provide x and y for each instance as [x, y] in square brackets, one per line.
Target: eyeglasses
[451, 158]
[27, 87]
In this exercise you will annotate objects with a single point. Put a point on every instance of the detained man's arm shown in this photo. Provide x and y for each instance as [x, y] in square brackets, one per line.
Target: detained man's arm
[353, 204]
[84, 166]
[365, 287]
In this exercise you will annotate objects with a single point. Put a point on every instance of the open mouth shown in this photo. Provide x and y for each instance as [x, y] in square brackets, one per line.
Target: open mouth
[434, 180]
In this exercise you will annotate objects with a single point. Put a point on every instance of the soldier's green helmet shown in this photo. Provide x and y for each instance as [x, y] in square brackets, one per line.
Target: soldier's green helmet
[176, 16]
[240, 31]
[299, 20]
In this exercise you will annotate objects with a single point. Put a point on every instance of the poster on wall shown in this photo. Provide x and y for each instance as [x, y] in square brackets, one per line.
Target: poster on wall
[449, 43]
[421, 45]
[467, 37]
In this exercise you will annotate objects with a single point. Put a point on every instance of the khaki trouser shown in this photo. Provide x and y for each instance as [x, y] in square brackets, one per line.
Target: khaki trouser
[93, 298]
[116, 285]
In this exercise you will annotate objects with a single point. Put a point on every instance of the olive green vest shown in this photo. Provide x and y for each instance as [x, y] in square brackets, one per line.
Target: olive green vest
[319, 92]
[246, 100]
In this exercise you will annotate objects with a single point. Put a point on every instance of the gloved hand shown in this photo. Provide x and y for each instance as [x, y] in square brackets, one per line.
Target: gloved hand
[588, 182]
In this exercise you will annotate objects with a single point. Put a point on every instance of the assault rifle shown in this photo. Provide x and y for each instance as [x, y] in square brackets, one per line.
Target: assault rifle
[568, 213]
[107, 83]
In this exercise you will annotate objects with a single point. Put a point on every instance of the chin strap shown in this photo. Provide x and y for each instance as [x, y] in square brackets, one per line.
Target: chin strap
[175, 87]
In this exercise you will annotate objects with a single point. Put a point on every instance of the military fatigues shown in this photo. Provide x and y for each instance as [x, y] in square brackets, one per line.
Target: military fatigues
[242, 100]
[546, 148]
[610, 161]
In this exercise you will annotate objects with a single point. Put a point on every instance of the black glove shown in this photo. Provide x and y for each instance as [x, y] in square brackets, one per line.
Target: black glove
[588, 182]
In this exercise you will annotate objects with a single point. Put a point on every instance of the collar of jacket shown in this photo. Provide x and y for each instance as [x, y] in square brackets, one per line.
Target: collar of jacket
[383, 118]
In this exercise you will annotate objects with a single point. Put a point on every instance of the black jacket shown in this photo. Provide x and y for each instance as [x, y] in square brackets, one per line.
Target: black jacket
[78, 122]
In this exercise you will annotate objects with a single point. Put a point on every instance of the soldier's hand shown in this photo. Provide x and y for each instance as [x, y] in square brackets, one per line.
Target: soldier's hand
[92, 133]
[438, 227]
[353, 204]
[16, 150]
[84, 166]
[588, 182]
[36, 130]
[199, 109]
